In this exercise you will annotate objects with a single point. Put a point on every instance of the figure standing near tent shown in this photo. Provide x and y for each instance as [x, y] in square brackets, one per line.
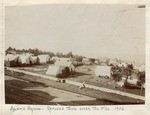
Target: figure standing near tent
[83, 85]
[58, 80]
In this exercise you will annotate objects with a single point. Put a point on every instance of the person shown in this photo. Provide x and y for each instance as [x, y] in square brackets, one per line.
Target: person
[58, 80]
[83, 85]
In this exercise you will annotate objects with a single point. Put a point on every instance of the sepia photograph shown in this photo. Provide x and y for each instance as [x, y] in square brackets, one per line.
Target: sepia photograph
[75, 54]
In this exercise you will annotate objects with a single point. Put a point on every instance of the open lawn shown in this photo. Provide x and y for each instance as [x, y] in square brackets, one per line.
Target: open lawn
[86, 74]
[110, 98]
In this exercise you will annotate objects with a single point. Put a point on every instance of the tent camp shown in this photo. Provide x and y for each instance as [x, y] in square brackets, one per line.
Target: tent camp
[66, 64]
[12, 60]
[103, 71]
[44, 58]
[55, 70]
[26, 59]
[35, 59]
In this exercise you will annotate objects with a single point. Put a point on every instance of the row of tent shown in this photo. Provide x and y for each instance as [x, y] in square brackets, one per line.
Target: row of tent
[12, 60]
[59, 67]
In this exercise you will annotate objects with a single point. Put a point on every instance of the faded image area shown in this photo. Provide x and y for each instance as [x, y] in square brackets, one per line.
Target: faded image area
[75, 54]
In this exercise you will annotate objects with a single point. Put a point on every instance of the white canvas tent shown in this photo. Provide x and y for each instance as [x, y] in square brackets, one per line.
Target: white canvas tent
[35, 59]
[26, 59]
[54, 70]
[103, 71]
[66, 64]
[11, 57]
[55, 58]
[86, 61]
[113, 62]
[12, 60]
[44, 58]
[142, 68]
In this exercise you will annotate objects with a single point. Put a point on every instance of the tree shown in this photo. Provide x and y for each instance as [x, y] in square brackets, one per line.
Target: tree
[51, 54]
[69, 55]
[36, 52]
[23, 50]
[8, 49]
[78, 58]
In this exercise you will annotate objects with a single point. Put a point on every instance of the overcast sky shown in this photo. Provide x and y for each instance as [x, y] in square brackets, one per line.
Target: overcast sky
[90, 30]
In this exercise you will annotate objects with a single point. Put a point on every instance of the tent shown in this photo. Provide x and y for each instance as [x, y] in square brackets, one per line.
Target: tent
[86, 61]
[55, 58]
[44, 58]
[103, 71]
[12, 60]
[113, 62]
[66, 64]
[26, 59]
[35, 59]
[55, 70]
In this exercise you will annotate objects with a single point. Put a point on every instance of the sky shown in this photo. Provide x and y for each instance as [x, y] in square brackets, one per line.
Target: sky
[115, 31]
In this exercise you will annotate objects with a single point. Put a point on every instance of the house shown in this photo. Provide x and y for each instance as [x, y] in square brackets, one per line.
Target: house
[55, 70]
[26, 59]
[12, 60]
[103, 71]
[44, 58]
[35, 59]
[66, 64]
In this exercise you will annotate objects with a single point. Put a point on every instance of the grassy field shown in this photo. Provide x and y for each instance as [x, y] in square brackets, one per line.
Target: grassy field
[102, 98]
[86, 74]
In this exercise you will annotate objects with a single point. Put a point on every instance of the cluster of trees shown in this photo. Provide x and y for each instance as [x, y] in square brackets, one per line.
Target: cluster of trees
[37, 51]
